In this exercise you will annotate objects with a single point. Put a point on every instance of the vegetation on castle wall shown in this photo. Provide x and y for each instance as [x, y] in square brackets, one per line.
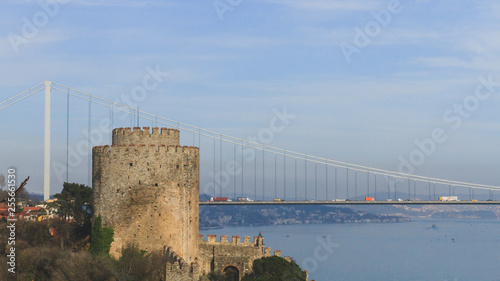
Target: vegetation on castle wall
[101, 238]
[275, 268]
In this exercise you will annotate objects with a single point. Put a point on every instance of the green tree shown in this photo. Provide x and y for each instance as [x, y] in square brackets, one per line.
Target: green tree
[275, 269]
[75, 200]
[101, 238]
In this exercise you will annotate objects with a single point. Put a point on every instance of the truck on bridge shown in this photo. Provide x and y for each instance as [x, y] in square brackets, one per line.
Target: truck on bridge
[220, 199]
[448, 198]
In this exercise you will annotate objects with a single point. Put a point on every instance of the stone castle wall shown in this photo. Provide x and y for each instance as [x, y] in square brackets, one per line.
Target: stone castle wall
[177, 269]
[217, 255]
[146, 187]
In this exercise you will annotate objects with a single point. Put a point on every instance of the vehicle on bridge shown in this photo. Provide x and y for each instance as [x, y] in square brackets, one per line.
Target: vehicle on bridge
[220, 199]
[448, 198]
[277, 200]
[244, 199]
[369, 199]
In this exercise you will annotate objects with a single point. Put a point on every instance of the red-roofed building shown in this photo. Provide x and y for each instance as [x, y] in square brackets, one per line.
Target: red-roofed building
[4, 211]
[28, 213]
[32, 213]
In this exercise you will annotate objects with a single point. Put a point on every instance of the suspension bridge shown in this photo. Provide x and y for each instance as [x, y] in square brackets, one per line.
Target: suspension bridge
[234, 168]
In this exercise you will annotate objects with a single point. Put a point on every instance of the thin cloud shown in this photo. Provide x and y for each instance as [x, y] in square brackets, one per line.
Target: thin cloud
[108, 3]
[237, 41]
[324, 5]
[117, 3]
[477, 63]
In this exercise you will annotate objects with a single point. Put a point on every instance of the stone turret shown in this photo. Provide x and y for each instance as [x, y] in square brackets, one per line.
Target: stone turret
[146, 187]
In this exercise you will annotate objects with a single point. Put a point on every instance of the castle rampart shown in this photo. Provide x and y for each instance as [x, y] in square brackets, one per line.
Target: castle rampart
[218, 255]
[146, 187]
[176, 269]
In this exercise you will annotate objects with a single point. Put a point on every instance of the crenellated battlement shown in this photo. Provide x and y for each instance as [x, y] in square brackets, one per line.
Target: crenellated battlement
[178, 269]
[138, 135]
[150, 147]
[258, 241]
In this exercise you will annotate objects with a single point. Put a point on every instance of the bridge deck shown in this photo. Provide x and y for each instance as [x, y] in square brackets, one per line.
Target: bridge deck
[354, 203]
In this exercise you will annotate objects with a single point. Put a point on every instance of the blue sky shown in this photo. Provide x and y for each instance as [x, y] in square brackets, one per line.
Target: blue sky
[228, 71]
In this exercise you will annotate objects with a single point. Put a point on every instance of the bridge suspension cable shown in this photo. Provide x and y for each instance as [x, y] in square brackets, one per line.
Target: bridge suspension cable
[279, 151]
[19, 97]
[244, 143]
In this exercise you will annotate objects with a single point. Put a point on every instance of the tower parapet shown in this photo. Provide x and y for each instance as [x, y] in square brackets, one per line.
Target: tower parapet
[138, 135]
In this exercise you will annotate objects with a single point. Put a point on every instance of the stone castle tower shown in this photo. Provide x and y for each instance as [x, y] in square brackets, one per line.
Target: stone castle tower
[146, 187]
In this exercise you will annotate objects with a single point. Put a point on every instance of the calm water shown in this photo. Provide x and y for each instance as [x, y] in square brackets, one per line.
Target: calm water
[456, 250]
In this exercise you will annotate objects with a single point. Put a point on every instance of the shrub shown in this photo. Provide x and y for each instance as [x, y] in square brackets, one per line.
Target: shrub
[137, 265]
[275, 269]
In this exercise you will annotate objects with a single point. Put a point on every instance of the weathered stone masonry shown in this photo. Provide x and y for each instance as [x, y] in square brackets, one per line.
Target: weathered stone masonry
[146, 188]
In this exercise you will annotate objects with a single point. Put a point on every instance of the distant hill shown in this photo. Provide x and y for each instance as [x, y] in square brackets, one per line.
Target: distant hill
[204, 197]
[248, 215]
